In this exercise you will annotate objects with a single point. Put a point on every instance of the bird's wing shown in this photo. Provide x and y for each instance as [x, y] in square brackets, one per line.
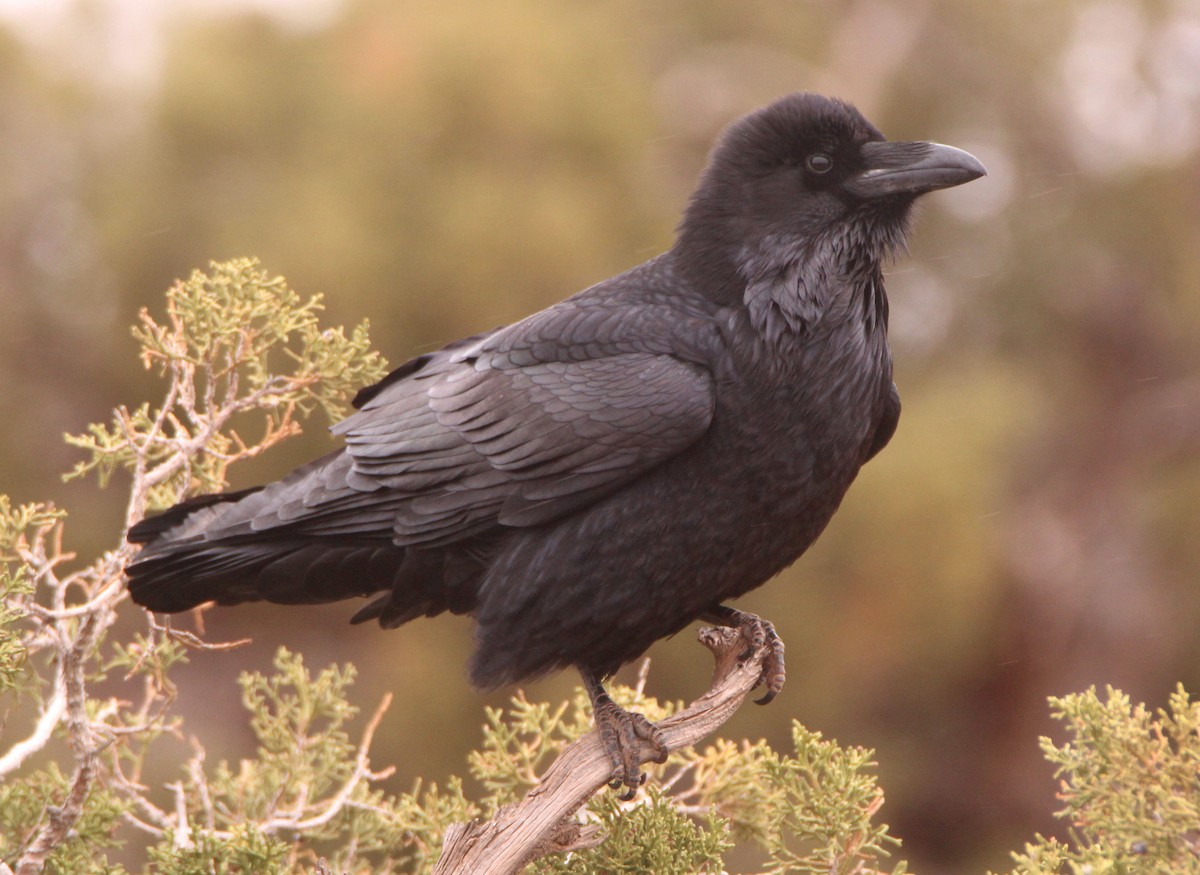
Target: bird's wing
[517, 428]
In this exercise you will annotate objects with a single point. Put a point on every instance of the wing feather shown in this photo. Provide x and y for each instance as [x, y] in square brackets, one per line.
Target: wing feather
[522, 445]
[513, 428]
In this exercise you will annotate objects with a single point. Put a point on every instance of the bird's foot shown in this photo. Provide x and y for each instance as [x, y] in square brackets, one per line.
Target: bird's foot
[761, 634]
[624, 733]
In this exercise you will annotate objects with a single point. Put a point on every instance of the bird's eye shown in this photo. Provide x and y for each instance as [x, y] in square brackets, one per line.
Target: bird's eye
[819, 163]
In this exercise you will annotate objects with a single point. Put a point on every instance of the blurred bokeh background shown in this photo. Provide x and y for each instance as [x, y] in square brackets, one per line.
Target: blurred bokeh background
[444, 166]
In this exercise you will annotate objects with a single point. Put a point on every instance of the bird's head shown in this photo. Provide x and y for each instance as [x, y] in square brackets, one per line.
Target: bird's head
[804, 171]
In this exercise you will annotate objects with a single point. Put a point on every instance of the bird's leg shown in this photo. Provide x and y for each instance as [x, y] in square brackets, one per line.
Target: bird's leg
[622, 733]
[761, 634]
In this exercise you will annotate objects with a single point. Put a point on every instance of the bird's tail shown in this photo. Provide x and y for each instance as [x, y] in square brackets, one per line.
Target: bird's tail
[181, 566]
[206, 549]
[252, 546]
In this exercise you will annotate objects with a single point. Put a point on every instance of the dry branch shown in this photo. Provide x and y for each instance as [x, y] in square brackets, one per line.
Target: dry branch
[539, 824]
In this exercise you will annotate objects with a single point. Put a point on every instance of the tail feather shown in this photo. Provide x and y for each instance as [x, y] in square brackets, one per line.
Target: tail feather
[307, 539]
[181, 576]
[152, 528]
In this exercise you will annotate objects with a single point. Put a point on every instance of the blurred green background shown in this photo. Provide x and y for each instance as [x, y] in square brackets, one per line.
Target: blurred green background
[444, 167]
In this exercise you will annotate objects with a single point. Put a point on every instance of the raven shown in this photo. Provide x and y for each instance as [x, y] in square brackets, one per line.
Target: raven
[604, 472]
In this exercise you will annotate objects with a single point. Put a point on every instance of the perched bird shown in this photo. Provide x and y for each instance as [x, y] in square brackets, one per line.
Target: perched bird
[601, 474]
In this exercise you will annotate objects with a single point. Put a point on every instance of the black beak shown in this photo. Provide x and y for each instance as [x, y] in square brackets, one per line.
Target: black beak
[912, 169]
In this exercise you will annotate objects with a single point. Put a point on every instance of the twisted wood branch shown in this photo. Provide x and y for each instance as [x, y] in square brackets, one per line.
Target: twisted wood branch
[539, 824]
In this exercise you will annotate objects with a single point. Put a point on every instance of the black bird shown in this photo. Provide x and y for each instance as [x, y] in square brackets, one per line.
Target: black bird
[605, 472]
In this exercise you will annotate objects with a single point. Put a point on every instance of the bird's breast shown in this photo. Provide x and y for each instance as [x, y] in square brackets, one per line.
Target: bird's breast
[791, 430]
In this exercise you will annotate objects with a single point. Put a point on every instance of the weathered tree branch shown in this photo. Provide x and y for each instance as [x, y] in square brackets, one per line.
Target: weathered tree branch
[539, 825]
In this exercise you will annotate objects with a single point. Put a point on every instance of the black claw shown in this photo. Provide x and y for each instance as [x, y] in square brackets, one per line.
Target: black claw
[760, 633]
[623, 733]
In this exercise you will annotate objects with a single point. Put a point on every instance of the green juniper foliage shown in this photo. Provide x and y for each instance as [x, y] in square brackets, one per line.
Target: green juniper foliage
[238, 346]
[1130, 784]
[520, 742]
[234, 340]
[652, 836]
[15, 584]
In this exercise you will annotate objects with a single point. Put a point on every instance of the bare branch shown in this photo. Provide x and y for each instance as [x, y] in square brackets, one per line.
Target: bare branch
[362, 769]
[52, 712]
[538, 824]
[112, 590]
[183, 830]
[195, 769]
[61, 819]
